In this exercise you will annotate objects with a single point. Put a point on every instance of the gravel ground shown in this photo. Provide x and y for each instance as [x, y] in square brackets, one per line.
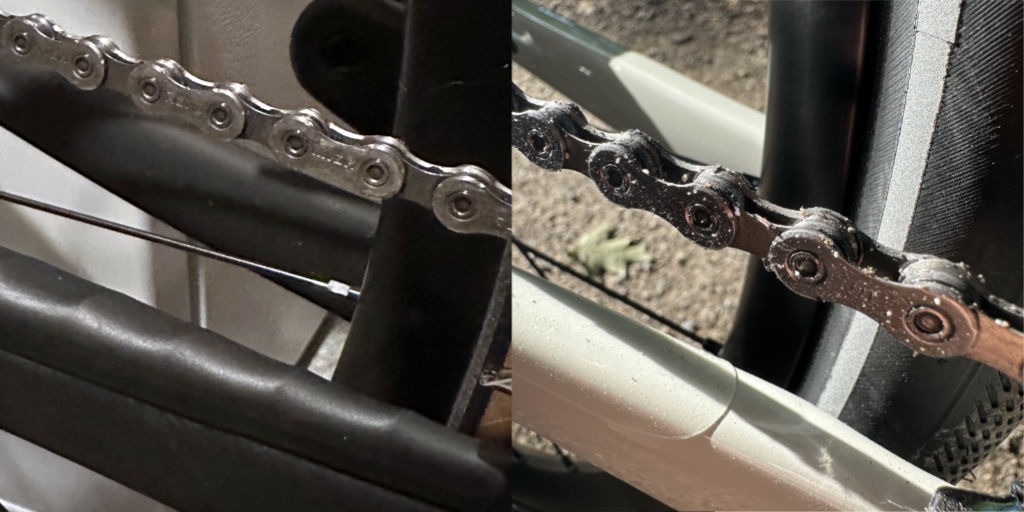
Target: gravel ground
[723, 44]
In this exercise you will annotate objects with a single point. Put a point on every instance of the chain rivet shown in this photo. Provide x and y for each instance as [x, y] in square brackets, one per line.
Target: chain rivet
[164, 88]
[614, 177]
[220, 116]
[83, 66]
[805, 266]
[461, 205]
[22, 44]
[936, 307]
[929, 323]
[150, 90]
[701, 218]
[376, 174]
[539, 143]
[295, 143]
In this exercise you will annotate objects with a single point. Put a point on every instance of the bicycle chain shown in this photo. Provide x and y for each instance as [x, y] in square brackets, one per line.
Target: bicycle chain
[465, 199]
[937, 307]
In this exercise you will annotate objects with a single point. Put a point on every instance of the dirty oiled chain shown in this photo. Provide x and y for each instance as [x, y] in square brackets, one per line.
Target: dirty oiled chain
[935, 306]
[465, 199]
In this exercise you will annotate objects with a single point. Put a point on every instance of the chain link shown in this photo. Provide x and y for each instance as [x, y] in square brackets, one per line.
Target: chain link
[937, 307]
[465, 199]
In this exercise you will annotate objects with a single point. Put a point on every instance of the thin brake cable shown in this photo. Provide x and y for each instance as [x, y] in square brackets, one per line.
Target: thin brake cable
[331, 286]
[708, 344]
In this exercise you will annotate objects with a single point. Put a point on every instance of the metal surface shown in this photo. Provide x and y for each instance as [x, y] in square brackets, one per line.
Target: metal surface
[630, 90]
[500, 380]
[684, 426]
[466, 199]
[815, 252]
[331, 286]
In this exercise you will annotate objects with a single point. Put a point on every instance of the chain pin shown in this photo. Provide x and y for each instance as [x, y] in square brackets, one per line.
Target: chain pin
[805, 266]
[701, 218]
[150, 90]
[461, 205]
[375, 174]
[615, 178]
[22, 45]
[929, 323]
[539, 143]
[295, 144]
[220, 116]
[83, 66]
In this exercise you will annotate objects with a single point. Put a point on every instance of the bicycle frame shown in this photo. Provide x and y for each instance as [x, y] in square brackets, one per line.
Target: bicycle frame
[690, 118]
[684, 426]
[221, 194]
[674, 421]
[819, 45]
[164, 407]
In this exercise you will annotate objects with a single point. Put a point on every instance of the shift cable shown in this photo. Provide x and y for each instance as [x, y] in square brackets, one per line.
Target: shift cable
[331, 286]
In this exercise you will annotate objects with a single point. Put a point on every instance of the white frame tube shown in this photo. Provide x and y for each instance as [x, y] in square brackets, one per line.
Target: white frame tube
[682, 425]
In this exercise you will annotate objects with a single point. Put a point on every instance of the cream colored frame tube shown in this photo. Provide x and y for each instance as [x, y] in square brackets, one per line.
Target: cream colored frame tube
[682, 425]
[697, 121]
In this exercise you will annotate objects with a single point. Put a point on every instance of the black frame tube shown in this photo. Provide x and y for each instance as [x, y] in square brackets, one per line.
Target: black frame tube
[132, 392]
[816, 60]
[223, 195]
[428, 291]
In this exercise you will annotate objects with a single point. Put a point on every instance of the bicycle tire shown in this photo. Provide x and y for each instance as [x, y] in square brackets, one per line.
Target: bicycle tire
[947, 87]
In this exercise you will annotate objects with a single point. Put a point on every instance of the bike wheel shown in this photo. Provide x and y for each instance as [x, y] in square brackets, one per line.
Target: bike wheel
[939, 172]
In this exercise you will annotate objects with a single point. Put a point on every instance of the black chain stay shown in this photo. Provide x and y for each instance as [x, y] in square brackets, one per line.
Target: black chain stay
[935, 306]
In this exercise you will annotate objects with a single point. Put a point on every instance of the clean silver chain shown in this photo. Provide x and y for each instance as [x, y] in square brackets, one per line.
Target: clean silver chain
[465, 199]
